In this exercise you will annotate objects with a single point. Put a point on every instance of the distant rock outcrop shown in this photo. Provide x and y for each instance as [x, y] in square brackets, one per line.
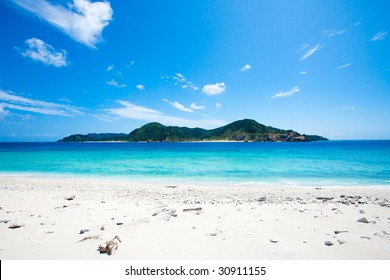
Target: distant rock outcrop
[244, 130]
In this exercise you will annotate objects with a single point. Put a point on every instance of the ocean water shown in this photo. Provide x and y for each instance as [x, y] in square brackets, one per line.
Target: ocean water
[331, 163]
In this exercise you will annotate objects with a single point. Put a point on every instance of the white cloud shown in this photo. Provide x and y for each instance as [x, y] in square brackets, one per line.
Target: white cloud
[110, 67]
[348, 107]
[178, 106]
[245, 68]
[288, 93]
[181, 80]
[218, 105]
[302, 47]
[379, 36]
[129, 110]
[344, 66]
[334, 32]
[82, 20]
[311, 51]
[3, 113]
[40, 51]
[140, 86]
[114, 83]
[197, 107]
[12, 101]
[303, 72]
[214, 89]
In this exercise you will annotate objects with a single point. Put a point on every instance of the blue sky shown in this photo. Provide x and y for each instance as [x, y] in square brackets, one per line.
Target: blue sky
[79, 66]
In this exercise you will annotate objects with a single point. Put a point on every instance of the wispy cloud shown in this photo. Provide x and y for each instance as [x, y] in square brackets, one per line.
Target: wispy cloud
[379, 36]
[344, 66]
[302, 47]
[110, 67]
[334, 32]
[40, 51]
[245, 68]
[180, 80]
[303, 72]
[197, 107]
[348, 107]
[3, 112]
[282, 94]
[140, 86]
[311, 51]
[178, 106]
[114, 83]
[218, 105]
[129, 110]
[214, 89]
[12, 101]
[82, 20]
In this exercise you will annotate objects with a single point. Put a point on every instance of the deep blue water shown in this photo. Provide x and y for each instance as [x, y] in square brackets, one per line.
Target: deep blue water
[318, 163]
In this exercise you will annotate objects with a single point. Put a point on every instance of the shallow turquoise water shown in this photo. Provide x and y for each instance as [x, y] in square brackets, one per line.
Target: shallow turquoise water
[318, 163]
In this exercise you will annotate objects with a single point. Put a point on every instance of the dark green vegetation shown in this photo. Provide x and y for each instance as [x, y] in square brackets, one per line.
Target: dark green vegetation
[243, 130]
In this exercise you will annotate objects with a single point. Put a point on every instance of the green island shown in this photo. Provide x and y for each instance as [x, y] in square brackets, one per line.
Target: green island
[246, 130]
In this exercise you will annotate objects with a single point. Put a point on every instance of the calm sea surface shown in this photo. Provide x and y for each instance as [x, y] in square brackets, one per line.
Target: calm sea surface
[346, 163]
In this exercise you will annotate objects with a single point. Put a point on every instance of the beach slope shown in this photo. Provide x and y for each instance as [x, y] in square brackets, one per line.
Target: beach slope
[62, 218]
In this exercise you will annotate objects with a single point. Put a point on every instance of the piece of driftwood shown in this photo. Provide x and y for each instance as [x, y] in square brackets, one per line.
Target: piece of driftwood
[109, 246]
[64, 206]
[90, 237]
[192, 209]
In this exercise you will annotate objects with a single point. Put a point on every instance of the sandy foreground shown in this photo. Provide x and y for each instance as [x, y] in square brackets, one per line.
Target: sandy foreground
[156, 221]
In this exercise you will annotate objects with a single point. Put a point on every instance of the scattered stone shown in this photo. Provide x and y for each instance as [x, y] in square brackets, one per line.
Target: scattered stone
[328, 243]
[340, 241]
[72, 197]
[166, 213]
[274, 240]
[305, 241]
[213, 234]
[262, 199]
[102, 228]
[363, 220]
[102, 201]
[384, 204]
[4, 221]
[83, 231]
[362, 211]
[172, 187]
[362, 201]
[340, 231]
[49, 232]
[17, 224]
[365, 237]
[119, 224]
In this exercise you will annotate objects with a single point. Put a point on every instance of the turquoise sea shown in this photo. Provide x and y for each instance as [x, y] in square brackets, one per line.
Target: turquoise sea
[331, 163]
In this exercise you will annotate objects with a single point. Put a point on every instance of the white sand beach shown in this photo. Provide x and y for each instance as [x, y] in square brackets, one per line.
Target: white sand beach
[160, 222]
